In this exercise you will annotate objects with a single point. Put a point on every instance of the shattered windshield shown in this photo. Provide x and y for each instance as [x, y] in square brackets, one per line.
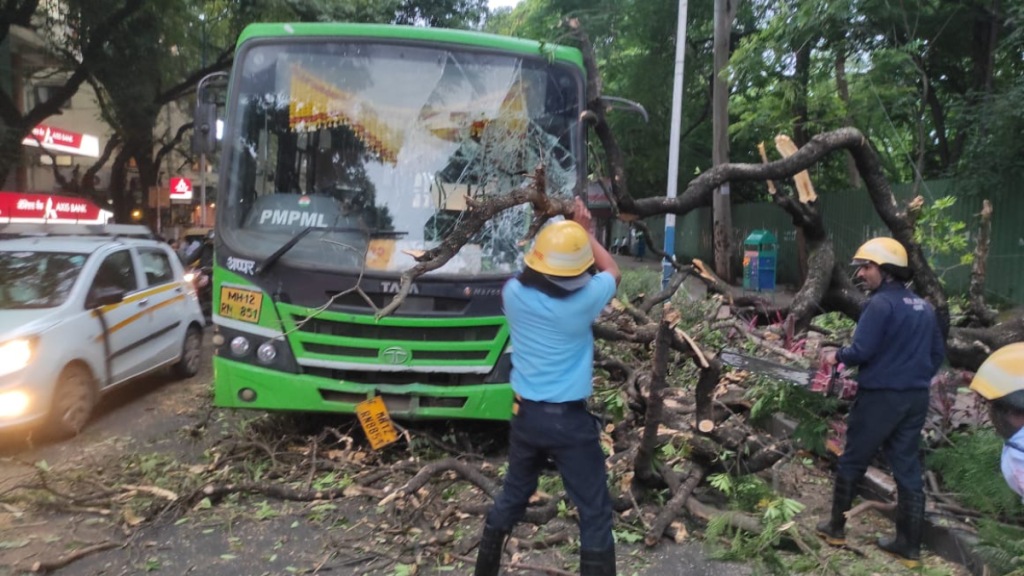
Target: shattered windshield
[37, 279]
[381, 145]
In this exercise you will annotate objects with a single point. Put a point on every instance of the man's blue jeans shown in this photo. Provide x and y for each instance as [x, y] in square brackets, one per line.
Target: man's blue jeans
[569, 435]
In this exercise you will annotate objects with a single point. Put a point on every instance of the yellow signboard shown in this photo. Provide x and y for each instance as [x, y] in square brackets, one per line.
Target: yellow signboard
[317, 103]
[379, 254]
[240, 304]
[376, 422]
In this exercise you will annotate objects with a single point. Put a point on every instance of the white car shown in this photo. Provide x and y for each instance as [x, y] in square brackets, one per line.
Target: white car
[84, 309]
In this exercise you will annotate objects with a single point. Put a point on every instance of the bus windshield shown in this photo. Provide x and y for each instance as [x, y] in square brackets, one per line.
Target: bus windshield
[380, 144]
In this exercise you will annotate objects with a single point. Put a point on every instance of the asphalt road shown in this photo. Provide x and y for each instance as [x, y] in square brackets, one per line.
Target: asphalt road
[148, 417]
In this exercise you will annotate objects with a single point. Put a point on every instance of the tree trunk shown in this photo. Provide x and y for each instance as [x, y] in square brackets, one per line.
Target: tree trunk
[722, 204]
[843, 89]
[977, 310]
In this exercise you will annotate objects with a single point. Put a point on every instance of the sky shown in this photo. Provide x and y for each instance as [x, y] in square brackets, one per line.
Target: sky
[492, 4]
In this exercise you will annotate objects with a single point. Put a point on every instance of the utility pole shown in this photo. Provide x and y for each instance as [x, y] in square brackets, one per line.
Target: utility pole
[721, 207]
[202, 155]
[673, 144]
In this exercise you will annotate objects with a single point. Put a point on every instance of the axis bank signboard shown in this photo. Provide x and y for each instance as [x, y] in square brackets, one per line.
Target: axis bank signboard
[53, 208]
[58, 140]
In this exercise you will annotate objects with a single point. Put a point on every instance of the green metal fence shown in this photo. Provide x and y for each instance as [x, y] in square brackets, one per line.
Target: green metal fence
[851, 219]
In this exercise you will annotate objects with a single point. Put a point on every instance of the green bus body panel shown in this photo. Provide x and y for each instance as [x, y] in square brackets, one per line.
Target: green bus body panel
[277, 391]
[340, 30]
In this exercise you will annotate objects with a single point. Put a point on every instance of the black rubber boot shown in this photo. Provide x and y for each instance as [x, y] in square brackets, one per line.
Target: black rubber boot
[833, 530]
[488, 556]
[906, 546]
[597, 562]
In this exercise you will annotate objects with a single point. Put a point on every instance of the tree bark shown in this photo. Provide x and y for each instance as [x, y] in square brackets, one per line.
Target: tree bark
[643, 466]
[721, 208]
[979, 312]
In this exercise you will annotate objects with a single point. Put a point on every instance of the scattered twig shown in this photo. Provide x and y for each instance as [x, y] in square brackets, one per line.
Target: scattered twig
[44, 566]
[521, 566]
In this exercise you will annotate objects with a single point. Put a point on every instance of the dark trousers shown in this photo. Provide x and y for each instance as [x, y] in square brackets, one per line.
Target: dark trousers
[890, 420]
[569, 435]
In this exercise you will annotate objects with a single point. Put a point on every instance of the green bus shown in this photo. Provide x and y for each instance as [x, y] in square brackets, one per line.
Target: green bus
[348, 149]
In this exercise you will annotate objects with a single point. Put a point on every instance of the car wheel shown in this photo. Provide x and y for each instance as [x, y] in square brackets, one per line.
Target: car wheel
[73, 401]
[191, 351]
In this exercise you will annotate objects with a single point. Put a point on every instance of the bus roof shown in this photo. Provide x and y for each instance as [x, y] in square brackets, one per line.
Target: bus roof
[523, 46]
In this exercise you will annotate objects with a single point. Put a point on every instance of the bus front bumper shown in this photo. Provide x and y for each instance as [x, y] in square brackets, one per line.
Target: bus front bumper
[240, 385]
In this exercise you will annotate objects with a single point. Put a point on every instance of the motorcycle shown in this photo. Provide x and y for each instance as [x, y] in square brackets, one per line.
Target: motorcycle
[198, 264]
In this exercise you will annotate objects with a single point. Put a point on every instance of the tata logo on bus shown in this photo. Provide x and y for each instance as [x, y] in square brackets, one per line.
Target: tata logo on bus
[394, 355]
[293, 218]
[396, 287]
[181, 188]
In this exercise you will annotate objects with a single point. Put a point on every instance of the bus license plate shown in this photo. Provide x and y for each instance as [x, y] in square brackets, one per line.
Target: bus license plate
[376, 422]
[240, 304]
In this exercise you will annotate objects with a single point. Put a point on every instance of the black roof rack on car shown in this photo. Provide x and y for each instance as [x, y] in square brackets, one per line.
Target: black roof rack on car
[108, 230]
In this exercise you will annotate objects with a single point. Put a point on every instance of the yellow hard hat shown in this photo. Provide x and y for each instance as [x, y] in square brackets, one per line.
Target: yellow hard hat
[881, 251]
[561, 249]
[1001, 373]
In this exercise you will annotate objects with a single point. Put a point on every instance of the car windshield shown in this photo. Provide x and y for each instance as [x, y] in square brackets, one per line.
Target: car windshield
[37, 279]
[380, 146]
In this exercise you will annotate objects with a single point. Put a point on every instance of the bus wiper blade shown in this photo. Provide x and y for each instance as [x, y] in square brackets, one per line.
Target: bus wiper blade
[273, 258]
[385, 233]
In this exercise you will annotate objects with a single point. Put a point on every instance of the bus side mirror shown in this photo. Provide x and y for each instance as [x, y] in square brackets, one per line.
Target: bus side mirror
[204, 128]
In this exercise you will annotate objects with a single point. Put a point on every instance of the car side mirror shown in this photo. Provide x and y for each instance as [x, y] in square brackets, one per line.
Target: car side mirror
[103, 296]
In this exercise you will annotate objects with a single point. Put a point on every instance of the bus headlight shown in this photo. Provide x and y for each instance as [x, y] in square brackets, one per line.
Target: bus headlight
[266, 353]
[15, 355]
[239, 345]
[13, 403]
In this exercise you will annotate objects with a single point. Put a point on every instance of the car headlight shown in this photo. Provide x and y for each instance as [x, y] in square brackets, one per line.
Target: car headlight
[13, 403]
[15, 355]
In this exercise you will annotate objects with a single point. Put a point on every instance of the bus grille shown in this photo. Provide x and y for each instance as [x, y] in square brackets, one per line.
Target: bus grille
[406, 333]
[334, 341]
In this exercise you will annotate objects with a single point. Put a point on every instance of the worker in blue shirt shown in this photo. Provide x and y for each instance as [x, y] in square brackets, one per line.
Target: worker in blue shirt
[551, 306]
[898, 347]
[1000, 381]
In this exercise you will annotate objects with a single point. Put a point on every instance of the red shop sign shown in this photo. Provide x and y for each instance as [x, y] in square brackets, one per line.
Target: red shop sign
[181, 188]
[58, 140]
[19, 207]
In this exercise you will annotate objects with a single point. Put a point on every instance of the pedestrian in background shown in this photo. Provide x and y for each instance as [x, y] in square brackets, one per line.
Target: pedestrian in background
[898, 347]
[1000, 381]
[551, 306]
[641, 246]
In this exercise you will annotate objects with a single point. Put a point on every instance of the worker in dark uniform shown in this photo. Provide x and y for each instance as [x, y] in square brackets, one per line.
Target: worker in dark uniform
[551, 306]
[898, 347]
[1000, 381]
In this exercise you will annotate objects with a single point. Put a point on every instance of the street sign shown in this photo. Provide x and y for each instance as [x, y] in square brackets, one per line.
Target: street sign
[181, 189]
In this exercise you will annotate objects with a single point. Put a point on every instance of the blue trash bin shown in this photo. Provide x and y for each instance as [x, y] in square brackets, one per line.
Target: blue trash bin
[760, 254]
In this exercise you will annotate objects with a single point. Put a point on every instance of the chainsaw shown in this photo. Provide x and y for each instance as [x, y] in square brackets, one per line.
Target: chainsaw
[823, 380]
